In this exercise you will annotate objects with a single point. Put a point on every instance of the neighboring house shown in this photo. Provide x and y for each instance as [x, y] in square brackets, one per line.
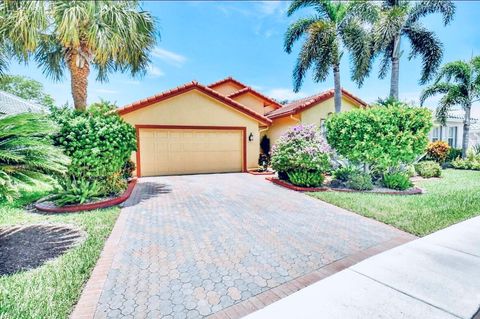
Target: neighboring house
[11, 104]
[216, 128]
[452, 131]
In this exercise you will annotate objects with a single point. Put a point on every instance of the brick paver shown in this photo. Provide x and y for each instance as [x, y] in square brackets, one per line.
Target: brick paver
[222, 246]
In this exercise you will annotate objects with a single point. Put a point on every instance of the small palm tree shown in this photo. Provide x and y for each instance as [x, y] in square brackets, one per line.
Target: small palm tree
[459, 82]
[399, 19]
[77, 35]
[335, 25]
[26, 152]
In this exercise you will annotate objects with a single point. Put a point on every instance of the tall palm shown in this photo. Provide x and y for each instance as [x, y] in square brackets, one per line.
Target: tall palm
[77, 35]
[398, 19]
[26, 152]
[333, 27]
[459, 82]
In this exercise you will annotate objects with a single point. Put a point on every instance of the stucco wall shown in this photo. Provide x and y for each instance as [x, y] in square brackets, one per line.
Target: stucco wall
[197, 109]
[227, 88]
[252, 102]
[318, 112]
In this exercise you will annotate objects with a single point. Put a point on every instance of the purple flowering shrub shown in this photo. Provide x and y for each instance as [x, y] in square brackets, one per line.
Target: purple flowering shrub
[301, 148]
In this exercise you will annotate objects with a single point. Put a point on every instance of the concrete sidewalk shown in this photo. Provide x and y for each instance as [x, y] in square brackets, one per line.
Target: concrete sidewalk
[437, 276]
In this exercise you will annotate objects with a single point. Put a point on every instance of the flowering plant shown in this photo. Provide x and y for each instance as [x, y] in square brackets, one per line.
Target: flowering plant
[301, 148]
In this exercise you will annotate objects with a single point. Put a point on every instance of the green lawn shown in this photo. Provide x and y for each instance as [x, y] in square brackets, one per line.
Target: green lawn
[51, 290]
[449, 200]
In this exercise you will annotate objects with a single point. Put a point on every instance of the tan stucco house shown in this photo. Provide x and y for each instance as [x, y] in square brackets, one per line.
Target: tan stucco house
[216, 128]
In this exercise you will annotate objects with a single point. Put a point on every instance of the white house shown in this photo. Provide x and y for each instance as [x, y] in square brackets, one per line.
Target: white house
[452, 132]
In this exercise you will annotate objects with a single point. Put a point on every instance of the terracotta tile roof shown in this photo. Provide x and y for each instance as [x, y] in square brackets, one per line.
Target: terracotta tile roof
[11, 104]
[227, 79]
[256, 93]
[185, 88]
[297, 106]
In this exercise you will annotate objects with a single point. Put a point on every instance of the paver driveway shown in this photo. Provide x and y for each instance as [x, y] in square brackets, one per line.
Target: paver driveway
[193, 246]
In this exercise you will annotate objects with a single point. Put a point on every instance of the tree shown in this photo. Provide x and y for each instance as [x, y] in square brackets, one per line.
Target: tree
[26, 152]
[26, 88]
[459, 82]
[77, 35]
[399, 19]
[335, 25]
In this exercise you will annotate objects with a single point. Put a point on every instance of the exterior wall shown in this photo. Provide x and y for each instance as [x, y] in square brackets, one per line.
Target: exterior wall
[195, 109]
[252, 102]
[280, 126]
[228, 88]
[474, 138]
[315, 114]
[445, 129]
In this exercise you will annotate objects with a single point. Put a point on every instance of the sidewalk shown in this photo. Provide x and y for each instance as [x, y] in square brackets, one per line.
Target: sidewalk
[437, 276]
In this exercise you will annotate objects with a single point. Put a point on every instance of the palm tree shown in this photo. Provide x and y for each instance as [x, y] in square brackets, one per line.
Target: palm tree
[399, 19]
[459, 82]
[335, 25]
[26, 152]
[77, 35]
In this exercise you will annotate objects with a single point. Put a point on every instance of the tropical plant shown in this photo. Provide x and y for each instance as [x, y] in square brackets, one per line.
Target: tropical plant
[343, 174]
[453, 154]
[26, 153]
[301, 148]
[306, 178]
[438, 151]
[428, 169]
[397, 180]
[382, 137]
[77, 35]
[73, 191]
[360, 181]
[398, 19]
[472, 161]
[27, 89]
[334, 26]
[459, 82]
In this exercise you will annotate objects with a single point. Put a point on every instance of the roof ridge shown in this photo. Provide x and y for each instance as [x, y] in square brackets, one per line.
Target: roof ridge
[228, 78]
[20, 99]
[255, 92]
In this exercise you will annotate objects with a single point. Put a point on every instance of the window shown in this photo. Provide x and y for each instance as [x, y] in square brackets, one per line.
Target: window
[452, 136]
[436, 134]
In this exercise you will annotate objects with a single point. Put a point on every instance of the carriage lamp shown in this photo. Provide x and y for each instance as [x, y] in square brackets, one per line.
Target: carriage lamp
[250, 137]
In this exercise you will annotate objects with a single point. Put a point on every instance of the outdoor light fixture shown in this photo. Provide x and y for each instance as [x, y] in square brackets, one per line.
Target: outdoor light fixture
[250, 137]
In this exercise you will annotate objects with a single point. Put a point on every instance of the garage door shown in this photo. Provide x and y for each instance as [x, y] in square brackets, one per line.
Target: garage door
[171, 151]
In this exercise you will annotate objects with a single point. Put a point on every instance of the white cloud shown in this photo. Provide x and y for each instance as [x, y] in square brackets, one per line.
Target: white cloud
[154, 71]
[272, 7]
[106, 91]
[170, 57]
[285, 94]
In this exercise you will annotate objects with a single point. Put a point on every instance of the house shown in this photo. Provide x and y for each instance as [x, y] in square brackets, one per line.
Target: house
[452, 131]
[11, 104]
[196, 128]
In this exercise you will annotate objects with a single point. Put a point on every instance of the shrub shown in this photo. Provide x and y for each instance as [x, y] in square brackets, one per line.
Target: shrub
[428, 169]
[343, 174]
[360, 181]
[27, 154]
[397, 180]
[438, 151]
[410, 170]
[73, 191]
[472, 161]
[382, 137]
[306, 178]
[453, 154]
[265, 145]
[301, 148]
[128, 169]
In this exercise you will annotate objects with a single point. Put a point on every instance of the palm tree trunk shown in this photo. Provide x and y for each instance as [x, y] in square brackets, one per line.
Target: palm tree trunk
[338, 88]
[79, 72]
[466, 130]
[395, 68]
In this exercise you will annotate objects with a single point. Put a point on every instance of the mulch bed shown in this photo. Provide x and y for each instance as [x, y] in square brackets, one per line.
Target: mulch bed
[254, 172]
[26, 247]
[378, 190]
[50, 207]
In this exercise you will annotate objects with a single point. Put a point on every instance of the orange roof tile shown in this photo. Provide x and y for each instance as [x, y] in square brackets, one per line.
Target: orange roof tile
[256, 93]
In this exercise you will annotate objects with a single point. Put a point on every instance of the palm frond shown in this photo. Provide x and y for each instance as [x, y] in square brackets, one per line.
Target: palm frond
[432, 90]
[388, 26]
[452, 98]
[385, 63]
[322, 7]
[297, 30]
[426, 44]
[459, 71]
[423, 8]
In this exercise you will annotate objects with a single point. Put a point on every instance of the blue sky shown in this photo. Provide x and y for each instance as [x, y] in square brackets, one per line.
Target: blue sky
[208, 41]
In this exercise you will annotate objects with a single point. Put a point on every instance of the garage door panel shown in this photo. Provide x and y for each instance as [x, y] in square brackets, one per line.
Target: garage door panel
[189, 151]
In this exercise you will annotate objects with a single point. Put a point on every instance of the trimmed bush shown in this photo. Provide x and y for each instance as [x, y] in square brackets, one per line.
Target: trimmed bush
[428, 169]
[438, 151]
[306, 178]
[301, 148]
[398, 180]
[360, 181]
[382, 137]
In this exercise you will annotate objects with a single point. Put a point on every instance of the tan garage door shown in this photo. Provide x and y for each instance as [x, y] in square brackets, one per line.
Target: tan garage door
[171, 151]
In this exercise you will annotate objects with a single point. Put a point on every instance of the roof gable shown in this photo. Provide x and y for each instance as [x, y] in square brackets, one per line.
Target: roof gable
[249, 90]
[300, 105]
[188, 87]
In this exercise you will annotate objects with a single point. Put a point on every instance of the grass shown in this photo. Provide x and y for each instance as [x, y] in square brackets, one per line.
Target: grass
[51, 290]
[449, 200]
